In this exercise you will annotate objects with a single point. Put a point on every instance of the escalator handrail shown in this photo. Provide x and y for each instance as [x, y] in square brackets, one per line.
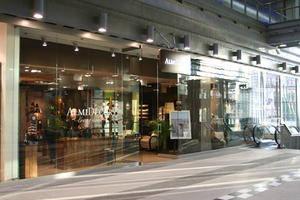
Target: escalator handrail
[277, 131]
[245, 127]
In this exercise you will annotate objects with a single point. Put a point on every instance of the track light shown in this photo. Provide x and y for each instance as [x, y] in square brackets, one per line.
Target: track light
[214, 48]
[295, 70]
[150, 33]
[113, 54]
[282, 67]
[186, 42]
[278, 51]
[76, 48]
[38, 9]
[102, 23]
[140, 58]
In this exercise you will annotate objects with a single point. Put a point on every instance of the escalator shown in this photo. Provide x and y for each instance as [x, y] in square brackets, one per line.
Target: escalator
[263, 136]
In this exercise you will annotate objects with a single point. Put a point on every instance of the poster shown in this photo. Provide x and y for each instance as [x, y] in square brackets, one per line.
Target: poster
[180, 123]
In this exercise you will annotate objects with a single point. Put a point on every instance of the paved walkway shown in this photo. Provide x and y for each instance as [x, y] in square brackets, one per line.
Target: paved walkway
[231, 173]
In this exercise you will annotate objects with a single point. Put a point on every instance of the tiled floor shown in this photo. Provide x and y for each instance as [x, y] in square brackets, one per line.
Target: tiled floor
[47, 168]
[231, 173]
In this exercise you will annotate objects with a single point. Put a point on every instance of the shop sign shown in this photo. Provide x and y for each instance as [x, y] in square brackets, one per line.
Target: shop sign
[175, 62]
[91, 111]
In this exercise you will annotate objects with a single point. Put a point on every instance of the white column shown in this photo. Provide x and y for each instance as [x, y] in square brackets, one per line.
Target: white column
[9, 59]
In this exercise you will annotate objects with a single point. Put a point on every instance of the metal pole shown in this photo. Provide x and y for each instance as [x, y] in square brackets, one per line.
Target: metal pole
[270, 13]
[257, 11]
[231, 4]
[245, 7]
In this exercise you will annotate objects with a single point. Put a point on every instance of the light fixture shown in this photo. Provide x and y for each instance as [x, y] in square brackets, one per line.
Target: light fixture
[282, 67]
[102, 23]
[295, 70]
[88, 75]
[113, 54]
[278, 51]
[214, 48]
[283, 45]
[76, 48]
[237, 54]
[186, 42]
[38, 9]
[127, 57]
[141, 53]
[150, 33]
[44, 43]
[36, 71]
[257, 59]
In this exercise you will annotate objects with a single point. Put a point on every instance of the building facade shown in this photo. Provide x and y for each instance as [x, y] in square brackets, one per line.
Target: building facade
[90, 83]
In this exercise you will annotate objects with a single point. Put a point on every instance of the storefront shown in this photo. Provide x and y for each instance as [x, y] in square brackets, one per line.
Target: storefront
[84, 105]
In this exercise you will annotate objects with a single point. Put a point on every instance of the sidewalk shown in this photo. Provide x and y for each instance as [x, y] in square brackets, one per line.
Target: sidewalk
[231, 173]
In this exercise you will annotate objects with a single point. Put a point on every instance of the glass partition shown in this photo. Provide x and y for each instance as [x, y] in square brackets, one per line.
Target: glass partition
[79, 108]
[289, 100]
[271, 99]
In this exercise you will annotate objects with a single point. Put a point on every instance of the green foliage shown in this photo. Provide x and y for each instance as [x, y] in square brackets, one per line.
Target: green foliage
[55, 121]
[162, 128]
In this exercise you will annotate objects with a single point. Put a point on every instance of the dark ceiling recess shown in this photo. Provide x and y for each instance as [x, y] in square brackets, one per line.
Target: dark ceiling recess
[180, 1]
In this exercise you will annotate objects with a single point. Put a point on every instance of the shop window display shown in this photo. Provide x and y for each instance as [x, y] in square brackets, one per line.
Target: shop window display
[78, 109]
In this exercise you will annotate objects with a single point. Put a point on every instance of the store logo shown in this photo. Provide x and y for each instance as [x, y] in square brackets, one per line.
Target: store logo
[83, 112]
[170, 61]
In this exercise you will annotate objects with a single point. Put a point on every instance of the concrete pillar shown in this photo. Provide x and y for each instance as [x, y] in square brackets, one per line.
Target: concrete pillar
[9, 59]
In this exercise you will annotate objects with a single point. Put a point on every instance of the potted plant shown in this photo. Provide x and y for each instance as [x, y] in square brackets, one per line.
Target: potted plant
[162, 129]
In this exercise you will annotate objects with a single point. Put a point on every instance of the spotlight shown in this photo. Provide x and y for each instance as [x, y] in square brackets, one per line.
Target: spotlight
[38, 9]
[257, 59]
[282, 67]
[127, 57]
[141, 53]
[76, 48]
[295, 70]
[237, 54]
[113, 54]
[44, 43]
[214, 48]
[186, 42]
[150, 33]
[103, 23]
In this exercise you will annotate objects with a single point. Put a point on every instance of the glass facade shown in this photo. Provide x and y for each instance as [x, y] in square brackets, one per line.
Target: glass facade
[93, 108]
